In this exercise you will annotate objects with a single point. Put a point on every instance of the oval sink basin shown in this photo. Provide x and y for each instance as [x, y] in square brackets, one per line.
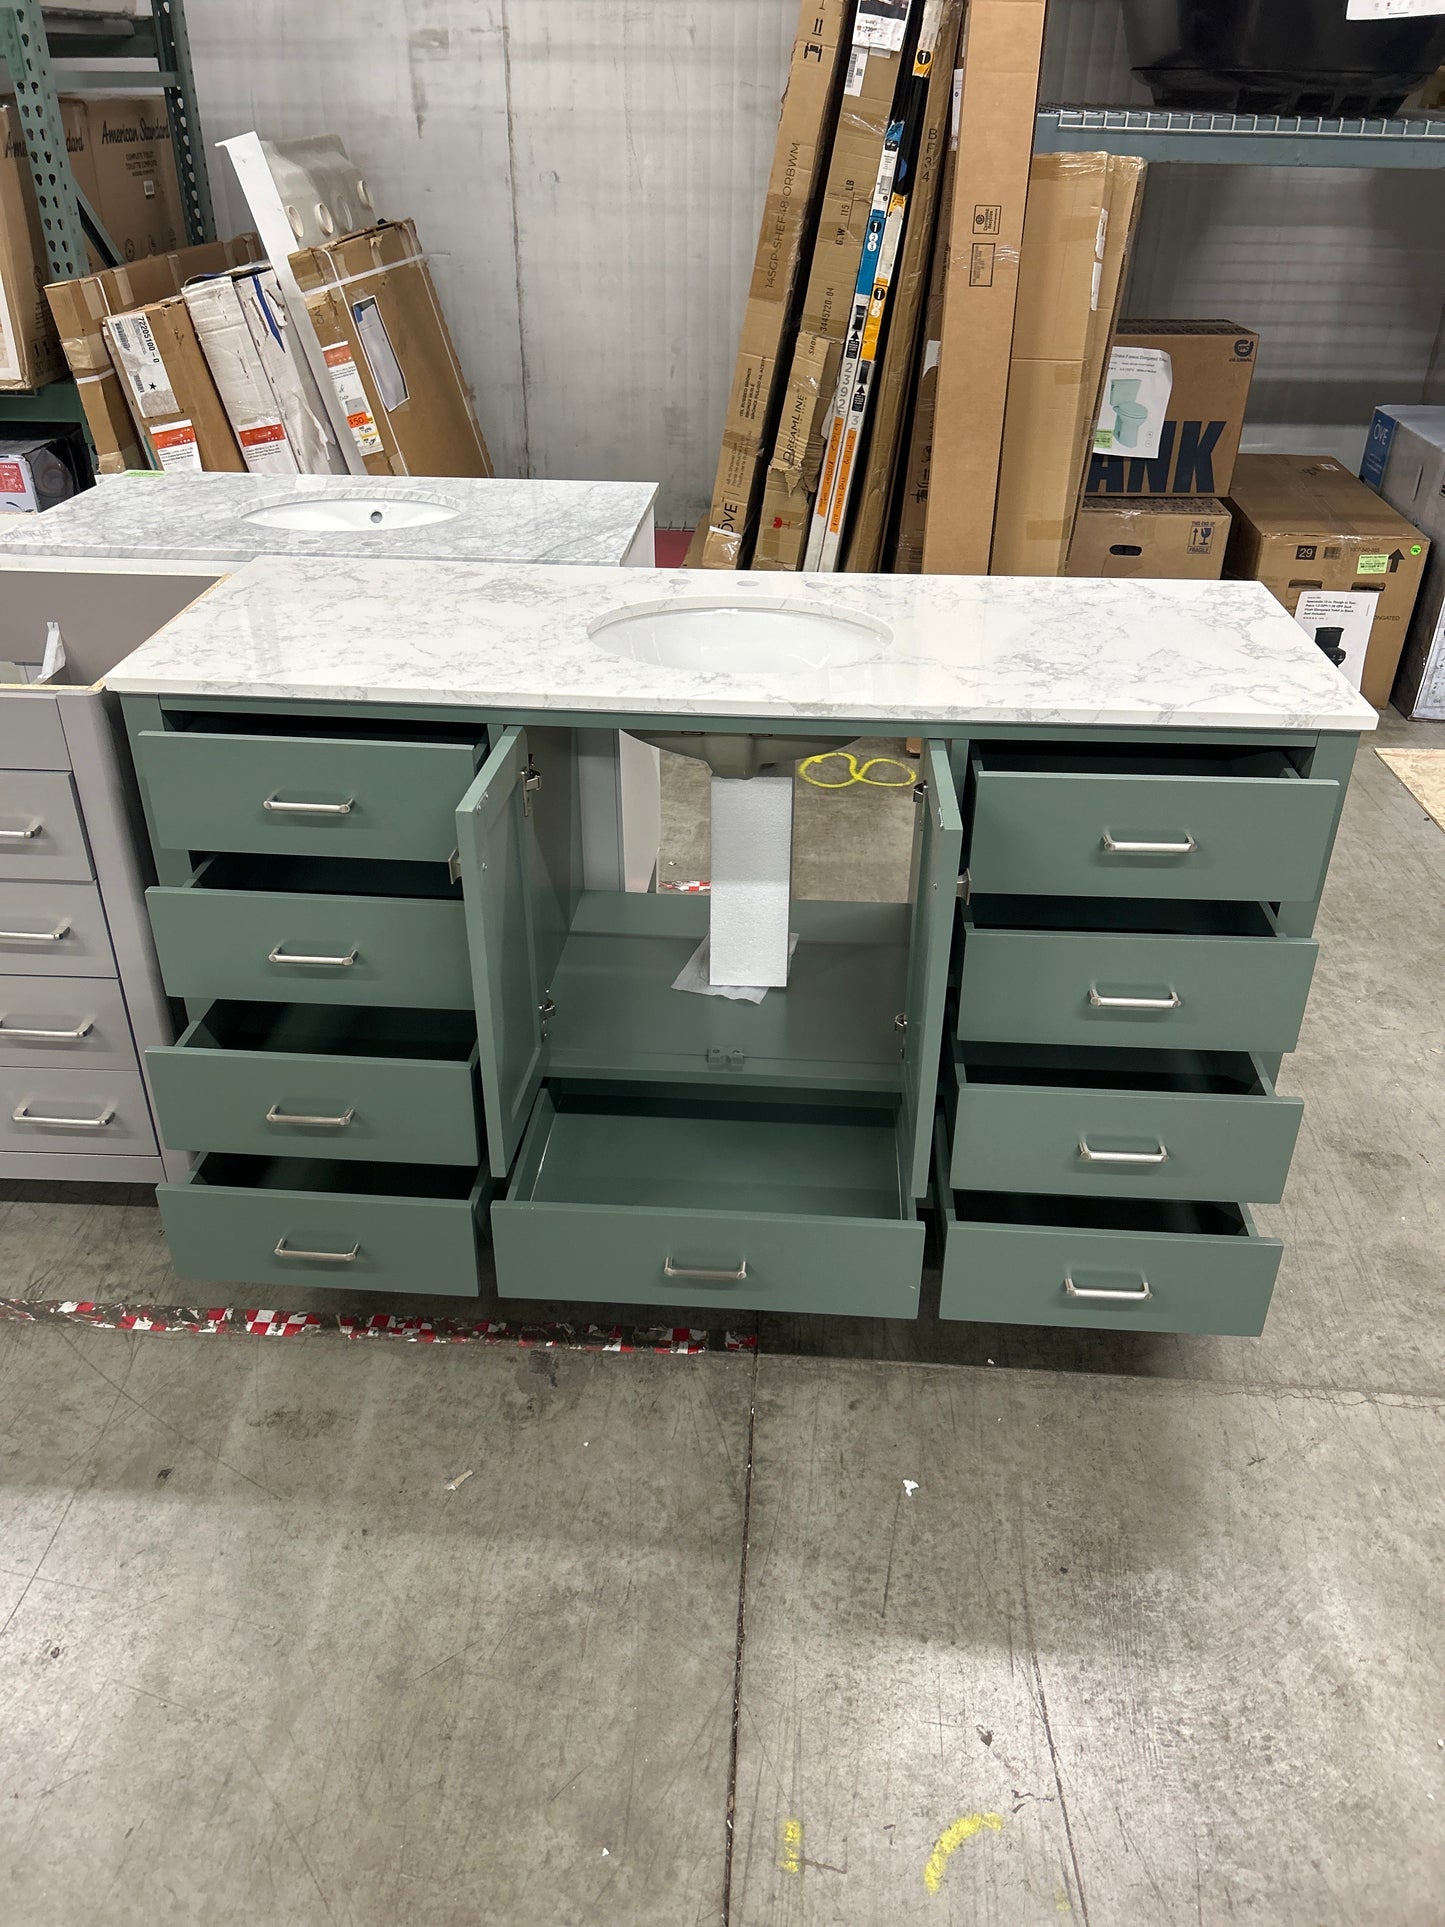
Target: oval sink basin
[349, 514]
[756, 637]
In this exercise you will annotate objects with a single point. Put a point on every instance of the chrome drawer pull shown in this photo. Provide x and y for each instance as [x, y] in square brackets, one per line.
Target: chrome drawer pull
[1071, 1290]
[23, 1116]
[277, 1116]
[1186, 848]
[82, 1029]
[1161, 1156]
[61, 929]
[1171, 1002]
[33, 828]
[278, 955]
[309, 809]
[283, 1250]
[670, 1270]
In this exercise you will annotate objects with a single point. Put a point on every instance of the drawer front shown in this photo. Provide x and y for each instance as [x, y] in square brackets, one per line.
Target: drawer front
[31, 736]
[1183, 993]
[1114, 1143]
[258, 1102]
[304, 796]
[64, 1021]
[74, 1110]
[410, 952]
[229, 1235]
[1260, 838]
[54, 930]
[619, 1254]
[1015, 1275]
[40, 833]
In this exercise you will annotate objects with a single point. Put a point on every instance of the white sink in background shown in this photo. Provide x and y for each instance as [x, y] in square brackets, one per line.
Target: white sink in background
[351, 514]
[739, 632]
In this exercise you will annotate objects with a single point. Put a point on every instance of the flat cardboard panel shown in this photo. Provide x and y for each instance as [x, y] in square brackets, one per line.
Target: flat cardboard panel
[1213, 364]
[372, 291]
[907, 300]
[1303, 522]
[804, 138]
[185, 418]
[792, 478]
[1183, 539]
[1001, 47]
[79, 308]
[1405, 461]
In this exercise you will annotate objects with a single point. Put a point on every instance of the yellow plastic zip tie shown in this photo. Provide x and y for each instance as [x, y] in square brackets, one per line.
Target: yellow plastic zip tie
[858, 772]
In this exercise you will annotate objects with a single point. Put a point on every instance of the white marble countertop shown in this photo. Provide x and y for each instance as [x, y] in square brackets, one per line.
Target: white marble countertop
[201, 518]
[920, 649]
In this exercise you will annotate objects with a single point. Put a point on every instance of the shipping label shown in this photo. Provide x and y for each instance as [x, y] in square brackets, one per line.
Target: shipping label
[349, 392]
[176, 448]
[1340, 624]
[143, 363]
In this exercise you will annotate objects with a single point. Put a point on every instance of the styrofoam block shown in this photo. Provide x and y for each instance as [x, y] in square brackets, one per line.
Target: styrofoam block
[752, 874]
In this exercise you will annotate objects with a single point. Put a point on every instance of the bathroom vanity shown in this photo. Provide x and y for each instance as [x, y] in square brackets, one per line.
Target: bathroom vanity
[415, 1026]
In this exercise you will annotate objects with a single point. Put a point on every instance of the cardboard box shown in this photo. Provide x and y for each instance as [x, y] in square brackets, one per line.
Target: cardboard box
[34, 475]
[864, 115]
[241, 321]
[1213, 364]
[1002, 42]
[789, 216]
[1344, 564]
[792, 482]
[170, 390]
[1080, 222]
[376, 314]
[937, 146]
[29, 353]
[132, 170]
[119, 152]
[1405, 462]
[1180, 539]
[80, 307]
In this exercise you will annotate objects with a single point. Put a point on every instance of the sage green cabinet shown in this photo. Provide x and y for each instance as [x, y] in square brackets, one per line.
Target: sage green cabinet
[1206, 988]
[305, 795]
[1121, 1264]
[626, 1196]
[573, 984]
[300, 930]
[289, 1221]
[1120, 1123]
[1148, 822]
[277, 1080]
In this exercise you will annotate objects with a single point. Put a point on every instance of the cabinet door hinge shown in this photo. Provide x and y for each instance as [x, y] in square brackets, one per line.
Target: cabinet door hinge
[454, 867]
[531, 781]
[965, 886]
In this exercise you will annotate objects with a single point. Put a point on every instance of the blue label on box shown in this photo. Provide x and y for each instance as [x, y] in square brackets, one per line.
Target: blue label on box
[1377, 448]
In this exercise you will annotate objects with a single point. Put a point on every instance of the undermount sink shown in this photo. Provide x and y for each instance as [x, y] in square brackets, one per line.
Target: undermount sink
[353, 514]
[740, 633]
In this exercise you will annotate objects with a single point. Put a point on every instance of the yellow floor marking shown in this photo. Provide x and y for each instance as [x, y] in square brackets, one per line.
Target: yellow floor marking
[792, 1860]
[951, 1839]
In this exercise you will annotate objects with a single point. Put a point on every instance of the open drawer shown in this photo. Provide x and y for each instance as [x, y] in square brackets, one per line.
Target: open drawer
[1063, 970]
[305, 930]
[1154, 820]
[310, 1221]
[321, 1080]
[629, 1195]
[286, 786]
[1120, 1123]
[1122, 1264]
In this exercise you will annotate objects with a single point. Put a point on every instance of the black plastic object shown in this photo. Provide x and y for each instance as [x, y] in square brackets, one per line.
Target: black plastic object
[1278, 56]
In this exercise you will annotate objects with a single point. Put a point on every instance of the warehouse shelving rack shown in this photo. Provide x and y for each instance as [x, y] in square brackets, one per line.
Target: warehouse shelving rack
[1260, 140]
[50, 49]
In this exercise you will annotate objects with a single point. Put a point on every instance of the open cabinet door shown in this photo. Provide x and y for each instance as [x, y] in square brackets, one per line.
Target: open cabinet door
[937, 856]
[494, 843]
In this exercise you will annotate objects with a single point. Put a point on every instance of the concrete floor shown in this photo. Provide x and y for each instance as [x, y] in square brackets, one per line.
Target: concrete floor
[1155, 1639]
